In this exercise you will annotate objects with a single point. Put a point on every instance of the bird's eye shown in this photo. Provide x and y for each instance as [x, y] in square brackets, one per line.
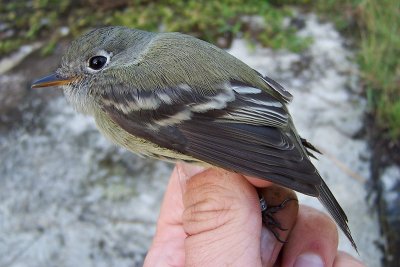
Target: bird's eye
[97, 62]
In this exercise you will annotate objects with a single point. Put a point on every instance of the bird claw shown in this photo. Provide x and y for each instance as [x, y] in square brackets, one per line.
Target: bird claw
[268, 218]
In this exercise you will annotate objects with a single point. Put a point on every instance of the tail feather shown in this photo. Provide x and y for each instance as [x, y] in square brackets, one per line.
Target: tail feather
[328, 200]
[310, 146]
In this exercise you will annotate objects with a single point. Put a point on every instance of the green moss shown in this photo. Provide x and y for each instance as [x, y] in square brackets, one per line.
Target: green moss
[208, 20]
[379, 60]
[8, 46]
[391, 116]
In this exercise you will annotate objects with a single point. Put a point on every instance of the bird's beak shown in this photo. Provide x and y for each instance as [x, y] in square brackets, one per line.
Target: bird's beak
[51, 80]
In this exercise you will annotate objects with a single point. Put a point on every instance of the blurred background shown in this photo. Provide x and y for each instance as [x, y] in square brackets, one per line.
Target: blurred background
[68, 197]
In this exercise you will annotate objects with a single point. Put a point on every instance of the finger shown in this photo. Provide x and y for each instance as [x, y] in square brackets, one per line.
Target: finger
[312, 242]
[345, 260]
[167, 248]
[222, 220]
[286, 216]
[186, 171]
[257, 182]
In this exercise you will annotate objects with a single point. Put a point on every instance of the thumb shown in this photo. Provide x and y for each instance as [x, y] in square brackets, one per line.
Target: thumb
[222, 220]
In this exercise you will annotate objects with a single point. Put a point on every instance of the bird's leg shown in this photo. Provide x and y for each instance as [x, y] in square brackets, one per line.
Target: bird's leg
[267, 213]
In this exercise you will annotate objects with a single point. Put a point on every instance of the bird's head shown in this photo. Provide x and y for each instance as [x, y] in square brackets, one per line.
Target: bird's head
[94, 62]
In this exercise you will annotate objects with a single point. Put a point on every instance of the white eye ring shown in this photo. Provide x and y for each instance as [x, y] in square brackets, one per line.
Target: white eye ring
[99, 61]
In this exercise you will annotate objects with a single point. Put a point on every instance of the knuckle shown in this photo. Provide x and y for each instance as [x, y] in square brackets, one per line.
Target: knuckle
[207, 210]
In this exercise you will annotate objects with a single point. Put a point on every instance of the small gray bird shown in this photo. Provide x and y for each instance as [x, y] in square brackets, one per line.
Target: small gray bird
[174, 97]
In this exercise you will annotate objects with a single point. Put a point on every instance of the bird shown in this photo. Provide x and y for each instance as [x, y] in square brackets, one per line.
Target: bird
[174, 97]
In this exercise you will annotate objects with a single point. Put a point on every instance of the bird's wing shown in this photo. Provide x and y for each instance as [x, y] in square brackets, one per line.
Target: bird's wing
[235, 126]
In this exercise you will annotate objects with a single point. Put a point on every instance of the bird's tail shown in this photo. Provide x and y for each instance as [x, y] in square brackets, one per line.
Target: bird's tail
[328, 200]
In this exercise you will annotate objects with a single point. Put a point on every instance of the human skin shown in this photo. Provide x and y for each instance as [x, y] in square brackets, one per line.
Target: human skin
[211, 217]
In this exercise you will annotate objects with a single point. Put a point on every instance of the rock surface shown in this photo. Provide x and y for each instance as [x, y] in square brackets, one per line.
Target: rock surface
[68, 197]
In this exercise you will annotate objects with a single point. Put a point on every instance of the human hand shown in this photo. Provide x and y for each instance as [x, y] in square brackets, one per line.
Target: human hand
[214, 219]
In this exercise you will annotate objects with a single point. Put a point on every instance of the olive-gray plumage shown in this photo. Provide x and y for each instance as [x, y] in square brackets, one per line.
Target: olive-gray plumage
[172, 96]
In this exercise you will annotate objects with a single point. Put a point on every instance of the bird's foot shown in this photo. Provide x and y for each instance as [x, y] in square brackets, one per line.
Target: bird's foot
[267, 213]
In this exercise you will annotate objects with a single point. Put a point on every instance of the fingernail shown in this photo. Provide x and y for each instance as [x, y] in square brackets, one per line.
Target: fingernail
[185, 171]
[268, 247]
[309, 260]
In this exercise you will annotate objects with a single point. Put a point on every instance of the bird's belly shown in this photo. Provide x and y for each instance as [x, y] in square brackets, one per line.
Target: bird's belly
[135, 144]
